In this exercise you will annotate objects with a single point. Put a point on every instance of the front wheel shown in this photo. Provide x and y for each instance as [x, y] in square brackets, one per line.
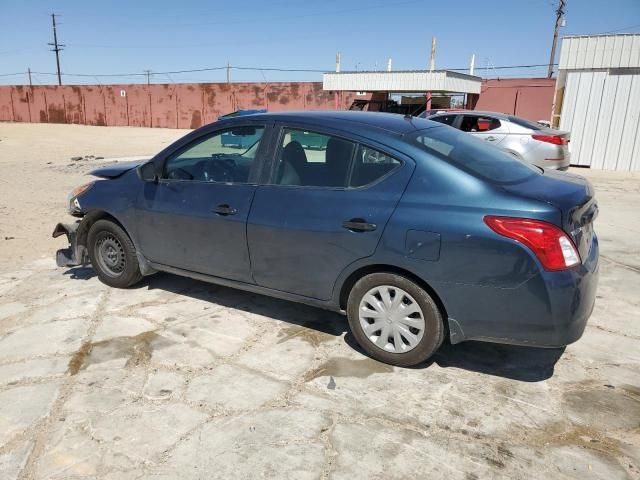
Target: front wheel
[394, 320]
[113, 255]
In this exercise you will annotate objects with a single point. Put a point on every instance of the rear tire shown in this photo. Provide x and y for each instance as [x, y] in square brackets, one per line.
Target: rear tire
[394, 320]
[113, 255]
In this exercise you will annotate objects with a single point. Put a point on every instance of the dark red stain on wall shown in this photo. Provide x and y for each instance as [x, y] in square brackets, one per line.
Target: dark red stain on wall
[168, 106]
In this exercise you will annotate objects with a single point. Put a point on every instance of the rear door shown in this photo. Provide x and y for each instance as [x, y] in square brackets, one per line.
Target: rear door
[325, 205]
[194, 217]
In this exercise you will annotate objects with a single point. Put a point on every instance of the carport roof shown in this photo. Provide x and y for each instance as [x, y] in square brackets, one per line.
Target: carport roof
[402, 81]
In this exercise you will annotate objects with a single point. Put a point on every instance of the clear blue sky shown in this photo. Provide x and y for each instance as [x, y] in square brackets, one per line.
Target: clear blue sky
[131, 36]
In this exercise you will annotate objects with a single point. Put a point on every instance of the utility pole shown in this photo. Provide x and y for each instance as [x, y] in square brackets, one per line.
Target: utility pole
[559, 15]
[148, 72]
[228, 72]
[432, 60]
[29, 73]
[56, 47]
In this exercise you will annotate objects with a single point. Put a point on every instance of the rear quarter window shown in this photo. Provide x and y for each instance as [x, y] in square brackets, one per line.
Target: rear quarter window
[474, 155]
[370, 166]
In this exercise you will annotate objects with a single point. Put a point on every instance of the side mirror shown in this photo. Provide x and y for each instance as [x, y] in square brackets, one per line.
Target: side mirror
[147, 172]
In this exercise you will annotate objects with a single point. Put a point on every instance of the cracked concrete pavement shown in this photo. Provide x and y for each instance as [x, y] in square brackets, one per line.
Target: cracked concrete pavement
[182, 379]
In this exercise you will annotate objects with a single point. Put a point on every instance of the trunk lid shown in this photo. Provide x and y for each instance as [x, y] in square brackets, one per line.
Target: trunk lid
[573, 195]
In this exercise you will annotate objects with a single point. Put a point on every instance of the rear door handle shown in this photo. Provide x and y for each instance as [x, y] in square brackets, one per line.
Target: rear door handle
[225, 210]
[359, 225]
[491, 138]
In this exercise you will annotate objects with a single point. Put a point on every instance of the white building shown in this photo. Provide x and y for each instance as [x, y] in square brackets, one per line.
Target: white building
[598, 100]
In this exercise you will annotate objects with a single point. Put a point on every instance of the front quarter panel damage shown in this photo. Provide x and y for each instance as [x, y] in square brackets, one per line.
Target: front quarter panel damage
[76, 253]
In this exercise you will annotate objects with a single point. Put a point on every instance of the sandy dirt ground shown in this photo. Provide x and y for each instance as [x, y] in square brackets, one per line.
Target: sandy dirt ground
[37, 173]
[182, 379]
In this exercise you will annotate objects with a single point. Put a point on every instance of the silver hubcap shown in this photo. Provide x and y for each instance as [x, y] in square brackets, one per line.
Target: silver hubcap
[391, 319]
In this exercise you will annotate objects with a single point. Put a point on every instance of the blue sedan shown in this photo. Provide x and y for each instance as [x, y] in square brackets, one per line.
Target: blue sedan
[417, 231]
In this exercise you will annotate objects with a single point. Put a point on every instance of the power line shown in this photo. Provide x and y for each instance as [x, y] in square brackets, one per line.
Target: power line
[619, 30]
[11, 74]
[149, 73]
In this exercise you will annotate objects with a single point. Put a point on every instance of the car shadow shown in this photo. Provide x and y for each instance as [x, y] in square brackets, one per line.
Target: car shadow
[80, 273]
[527, 364]
[323, 321]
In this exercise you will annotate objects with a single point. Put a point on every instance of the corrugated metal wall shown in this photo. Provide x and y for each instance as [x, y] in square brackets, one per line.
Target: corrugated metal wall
[602, 111]
[168, 105]
[621, 50]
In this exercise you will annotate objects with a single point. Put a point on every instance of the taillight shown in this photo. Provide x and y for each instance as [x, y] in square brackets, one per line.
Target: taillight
[550, 244]
[555, 139]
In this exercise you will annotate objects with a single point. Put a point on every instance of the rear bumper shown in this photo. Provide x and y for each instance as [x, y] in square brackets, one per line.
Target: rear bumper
[76, 253]
[549, 310]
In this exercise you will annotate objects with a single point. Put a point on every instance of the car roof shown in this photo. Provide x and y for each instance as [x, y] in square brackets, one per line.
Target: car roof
[348, 120]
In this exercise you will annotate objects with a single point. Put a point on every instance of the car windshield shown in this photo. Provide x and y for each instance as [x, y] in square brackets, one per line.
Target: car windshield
[474, 155]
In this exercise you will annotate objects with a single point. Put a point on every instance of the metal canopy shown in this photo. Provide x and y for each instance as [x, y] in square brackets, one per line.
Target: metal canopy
[402, 81]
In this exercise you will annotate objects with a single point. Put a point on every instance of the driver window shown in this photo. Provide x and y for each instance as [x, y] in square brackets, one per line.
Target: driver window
[224, 157]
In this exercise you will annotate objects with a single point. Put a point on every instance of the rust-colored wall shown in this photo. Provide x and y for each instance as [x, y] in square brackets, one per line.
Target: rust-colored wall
[530, 98]
[168, 105]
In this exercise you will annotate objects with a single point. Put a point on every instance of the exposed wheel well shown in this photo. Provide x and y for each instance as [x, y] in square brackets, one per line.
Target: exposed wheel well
[91, 218]
[361, 272]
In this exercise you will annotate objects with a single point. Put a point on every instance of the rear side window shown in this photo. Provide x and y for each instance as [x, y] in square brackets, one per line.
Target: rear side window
[308, 158]
[446, 119]
[312, 159]
[474, 155]
[477, 123]
[371, 165]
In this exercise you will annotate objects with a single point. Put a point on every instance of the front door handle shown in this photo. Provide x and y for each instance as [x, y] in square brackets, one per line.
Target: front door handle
[491, 138]
[225, 210]
[359, 225]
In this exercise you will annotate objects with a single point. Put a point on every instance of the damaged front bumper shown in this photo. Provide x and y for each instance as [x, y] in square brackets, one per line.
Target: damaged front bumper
[76, 253]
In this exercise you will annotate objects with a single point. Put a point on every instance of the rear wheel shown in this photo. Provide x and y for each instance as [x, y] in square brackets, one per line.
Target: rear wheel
[394, 320]
[113, 255]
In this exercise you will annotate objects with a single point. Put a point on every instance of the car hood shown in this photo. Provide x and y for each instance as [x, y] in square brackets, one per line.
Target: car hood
[117, 169]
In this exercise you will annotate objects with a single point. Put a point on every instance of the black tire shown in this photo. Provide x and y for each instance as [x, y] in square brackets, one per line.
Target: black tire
[434, 331]
[113, 255]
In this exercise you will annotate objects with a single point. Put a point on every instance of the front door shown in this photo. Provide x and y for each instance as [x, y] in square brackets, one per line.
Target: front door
[194, 217]
[326, 205]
